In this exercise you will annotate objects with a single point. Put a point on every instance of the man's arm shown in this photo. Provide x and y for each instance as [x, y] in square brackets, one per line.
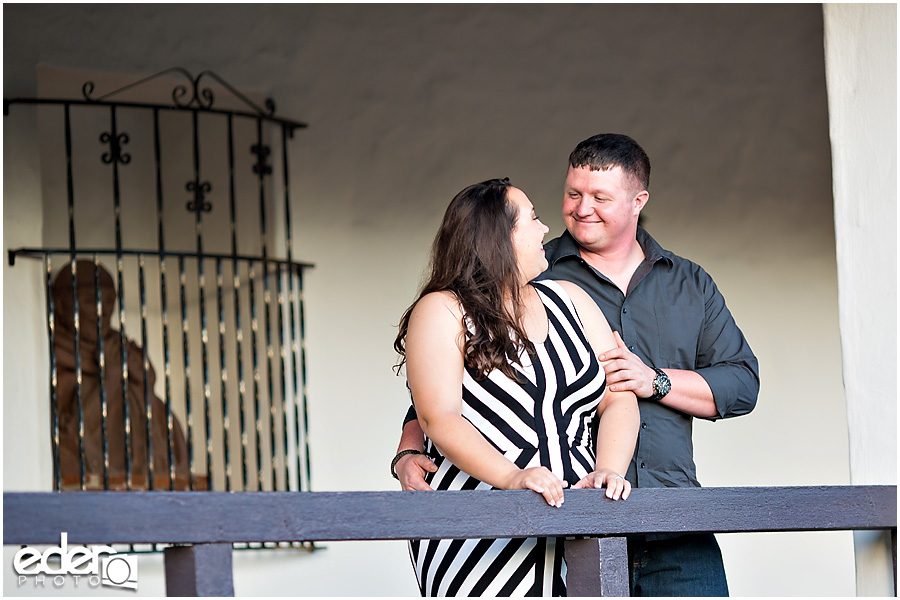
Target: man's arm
[725, 382]
[411, 468]
[725, 360]
[690, 392]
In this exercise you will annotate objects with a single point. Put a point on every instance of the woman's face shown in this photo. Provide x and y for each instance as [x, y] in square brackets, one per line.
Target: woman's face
[527, 236]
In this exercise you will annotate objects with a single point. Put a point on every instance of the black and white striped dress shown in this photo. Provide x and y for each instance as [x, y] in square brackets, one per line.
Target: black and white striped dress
[543, 420]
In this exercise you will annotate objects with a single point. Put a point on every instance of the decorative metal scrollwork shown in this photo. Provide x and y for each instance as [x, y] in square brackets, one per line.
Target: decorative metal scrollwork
[115, 153]
[262, 154]
[199, 203]
[190, 95]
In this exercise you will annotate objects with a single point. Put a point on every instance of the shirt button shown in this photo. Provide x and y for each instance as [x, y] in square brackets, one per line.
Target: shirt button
[642, 465]
[631, 348]
[643, 426]
[624, 311]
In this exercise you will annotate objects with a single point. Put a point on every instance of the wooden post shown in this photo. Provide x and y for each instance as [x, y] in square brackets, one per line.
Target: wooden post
[597, 567]
[199, 570]
[894, 556]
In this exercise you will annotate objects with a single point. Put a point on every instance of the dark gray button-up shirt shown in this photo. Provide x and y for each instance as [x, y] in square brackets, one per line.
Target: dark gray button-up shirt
[673, 316]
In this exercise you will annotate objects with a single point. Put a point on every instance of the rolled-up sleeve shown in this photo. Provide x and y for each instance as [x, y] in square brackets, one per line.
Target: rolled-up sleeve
[724, 358]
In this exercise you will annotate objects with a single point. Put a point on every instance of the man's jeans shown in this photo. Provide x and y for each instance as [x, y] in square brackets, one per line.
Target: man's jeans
[686, 565]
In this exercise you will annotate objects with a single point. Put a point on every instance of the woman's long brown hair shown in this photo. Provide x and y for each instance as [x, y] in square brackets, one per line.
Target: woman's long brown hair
[473, 257]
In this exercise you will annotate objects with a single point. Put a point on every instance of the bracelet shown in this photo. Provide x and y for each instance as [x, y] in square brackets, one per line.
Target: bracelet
[400, 455]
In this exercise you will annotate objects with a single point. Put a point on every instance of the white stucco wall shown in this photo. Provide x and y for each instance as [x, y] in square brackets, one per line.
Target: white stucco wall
[25, 364]
[406, 105]
[861, 60]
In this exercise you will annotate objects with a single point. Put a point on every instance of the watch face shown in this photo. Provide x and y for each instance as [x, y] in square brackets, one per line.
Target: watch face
[662, 385]
[666, 386]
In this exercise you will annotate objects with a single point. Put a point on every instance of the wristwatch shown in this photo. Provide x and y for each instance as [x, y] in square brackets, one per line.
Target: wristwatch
[661, 386]
[400, 455]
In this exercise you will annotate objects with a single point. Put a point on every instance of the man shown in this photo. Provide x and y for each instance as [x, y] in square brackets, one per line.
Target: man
[677, 348]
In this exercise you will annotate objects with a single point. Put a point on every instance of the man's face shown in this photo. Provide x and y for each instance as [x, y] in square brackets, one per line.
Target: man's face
[600, 208]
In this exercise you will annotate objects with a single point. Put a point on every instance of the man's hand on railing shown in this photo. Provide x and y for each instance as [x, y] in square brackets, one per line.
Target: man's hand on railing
[616, 485]
[411, 470]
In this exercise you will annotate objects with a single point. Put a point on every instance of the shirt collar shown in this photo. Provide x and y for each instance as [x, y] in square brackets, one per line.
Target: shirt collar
[565, 246]
[652, 250]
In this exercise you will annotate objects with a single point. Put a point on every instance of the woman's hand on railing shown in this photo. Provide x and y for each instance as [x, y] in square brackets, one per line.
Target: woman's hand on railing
[540, 480]
[616, 485]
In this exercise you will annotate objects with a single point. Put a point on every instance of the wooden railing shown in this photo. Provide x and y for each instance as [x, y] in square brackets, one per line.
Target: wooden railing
[204, 525]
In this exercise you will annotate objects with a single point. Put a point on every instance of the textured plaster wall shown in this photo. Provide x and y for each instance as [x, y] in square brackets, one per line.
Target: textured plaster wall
[861, 53]
[409, 103]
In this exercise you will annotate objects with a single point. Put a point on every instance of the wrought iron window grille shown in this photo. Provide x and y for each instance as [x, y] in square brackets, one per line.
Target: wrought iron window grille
[197, 278]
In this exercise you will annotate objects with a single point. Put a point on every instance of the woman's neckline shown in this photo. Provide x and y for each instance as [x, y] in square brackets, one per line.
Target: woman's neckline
[546, 318]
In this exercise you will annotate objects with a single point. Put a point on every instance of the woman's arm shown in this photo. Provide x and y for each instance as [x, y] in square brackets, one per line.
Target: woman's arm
[434, 370]
[618, 411]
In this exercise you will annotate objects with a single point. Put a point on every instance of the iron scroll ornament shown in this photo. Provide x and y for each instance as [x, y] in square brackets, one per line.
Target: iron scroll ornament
[198, 97]
[262, 153]
[115, 153]
[198, 204]
[192, 96]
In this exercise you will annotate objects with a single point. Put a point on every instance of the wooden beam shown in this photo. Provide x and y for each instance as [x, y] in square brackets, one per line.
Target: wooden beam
[214, 520]
[222, 517]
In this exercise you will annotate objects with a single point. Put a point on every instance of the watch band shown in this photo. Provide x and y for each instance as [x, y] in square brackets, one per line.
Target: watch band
[400, 455]
[661, 385]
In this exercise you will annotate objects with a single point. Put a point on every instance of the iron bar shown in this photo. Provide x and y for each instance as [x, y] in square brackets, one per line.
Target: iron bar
[262, 170]
[281, 121]
[54, 382]
[223, 367]
[270, 375]
[41, 252]
[145, 364]
[283, 371]
[79, 400]
[101, 374]
[254, 331]
[201, 283]
[303, 396]
[189, 414]
[164, 302]
[294, 350]
[236, 285]
[115, 156]
[70, 196]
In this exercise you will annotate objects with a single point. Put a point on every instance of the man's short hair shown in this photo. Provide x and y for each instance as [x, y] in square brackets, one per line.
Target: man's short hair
[605, 151]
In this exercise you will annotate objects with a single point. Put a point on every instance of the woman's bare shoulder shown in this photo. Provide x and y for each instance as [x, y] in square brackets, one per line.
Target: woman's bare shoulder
[438, 305]
[583, 302]
[576, 293]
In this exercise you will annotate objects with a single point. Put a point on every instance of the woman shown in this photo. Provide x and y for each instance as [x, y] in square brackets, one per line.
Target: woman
[506, 383]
